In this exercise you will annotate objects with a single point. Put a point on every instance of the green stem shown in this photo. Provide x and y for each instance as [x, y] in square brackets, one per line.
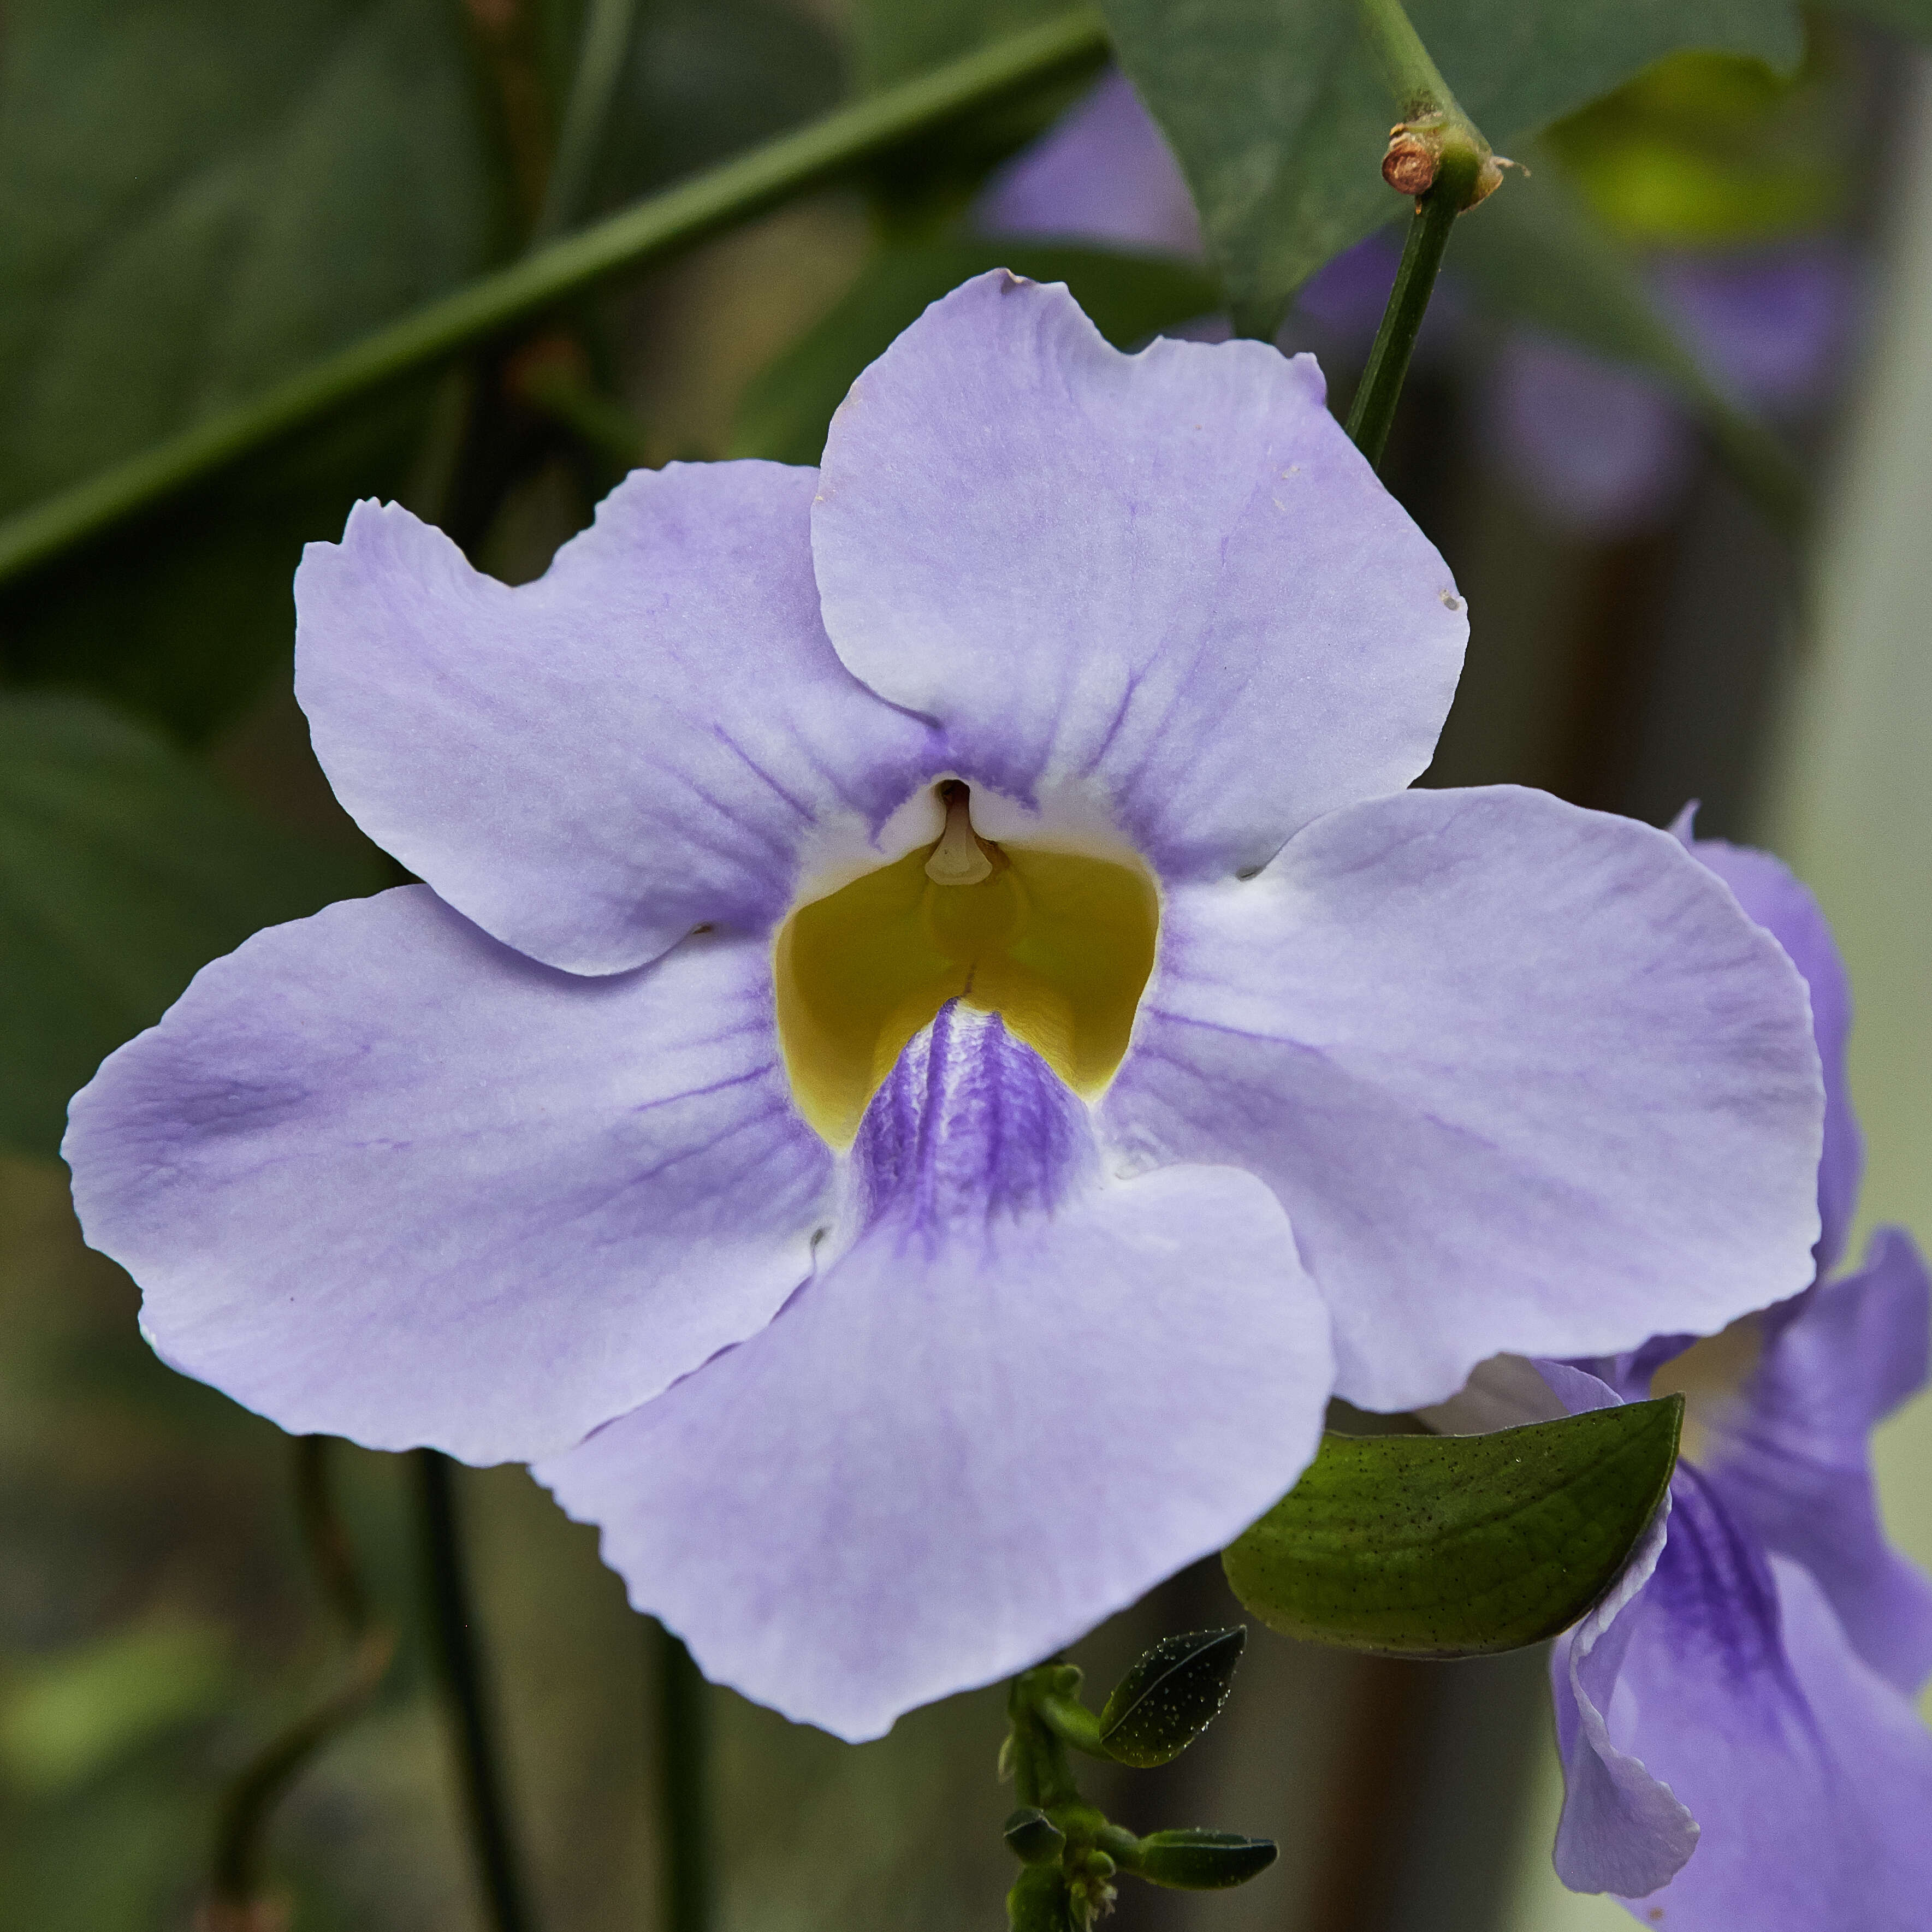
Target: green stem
[1372, 411]
[683, 1788]
[1417, 81]
[241, 1826]
[459, 1660]
[586, 114]
[551, 274]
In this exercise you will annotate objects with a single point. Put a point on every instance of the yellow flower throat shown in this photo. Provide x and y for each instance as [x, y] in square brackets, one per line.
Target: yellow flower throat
[1059, 945]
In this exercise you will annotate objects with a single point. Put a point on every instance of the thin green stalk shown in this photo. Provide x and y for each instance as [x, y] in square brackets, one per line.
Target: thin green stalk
[683, 1788]
[600, 55]
[459, 1659]
[647, 232]
[1417, 81]
[236, 1868]
[1372, 411]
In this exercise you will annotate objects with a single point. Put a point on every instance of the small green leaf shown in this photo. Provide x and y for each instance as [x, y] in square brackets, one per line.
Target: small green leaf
[1425, 1546]
[790, 404]
[1197, 1861]
[1278, 114]
[124, 867]
[1033, 1837]
[1171, 1697]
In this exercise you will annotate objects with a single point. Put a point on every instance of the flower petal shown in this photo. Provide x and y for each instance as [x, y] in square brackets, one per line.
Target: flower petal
[1771, 893]
[638, 743]
[1022, 1396]
[1169, 577]
[380, 1177]
[1794, 1460]
[1737, 1690]
[1522, 1075]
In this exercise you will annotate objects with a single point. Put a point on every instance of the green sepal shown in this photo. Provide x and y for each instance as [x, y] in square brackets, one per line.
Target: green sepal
[1424, 1546]
[1170, 1697]
[1033, 1837]
[1192, 1860]
[1040, 1901]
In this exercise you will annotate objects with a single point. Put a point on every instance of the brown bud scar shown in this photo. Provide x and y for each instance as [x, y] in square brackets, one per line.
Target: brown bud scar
[1409, 167]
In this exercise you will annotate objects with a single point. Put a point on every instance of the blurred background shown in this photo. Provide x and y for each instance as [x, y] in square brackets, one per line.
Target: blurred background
[198, 198]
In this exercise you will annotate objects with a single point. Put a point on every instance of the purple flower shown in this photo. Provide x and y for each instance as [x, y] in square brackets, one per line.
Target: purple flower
[1744, 1700]
[933, 1037]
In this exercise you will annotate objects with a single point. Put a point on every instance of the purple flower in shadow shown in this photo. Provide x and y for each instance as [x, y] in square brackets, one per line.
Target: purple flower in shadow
[1737, 1720]
[1599, 446]
[933, 1035]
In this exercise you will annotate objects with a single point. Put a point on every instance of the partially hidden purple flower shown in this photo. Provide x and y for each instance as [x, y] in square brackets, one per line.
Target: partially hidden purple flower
[1737, 1720]
[933, 1037]
[1601, 446]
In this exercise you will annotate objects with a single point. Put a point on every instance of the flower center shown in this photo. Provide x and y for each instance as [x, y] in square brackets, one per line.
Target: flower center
[1059, 944]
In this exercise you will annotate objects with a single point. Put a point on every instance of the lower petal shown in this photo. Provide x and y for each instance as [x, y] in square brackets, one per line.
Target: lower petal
[1523, 1076]
[379, 1177]
[979, 1432]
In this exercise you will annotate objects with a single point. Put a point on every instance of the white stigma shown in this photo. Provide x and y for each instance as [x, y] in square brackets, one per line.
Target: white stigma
[958, 859]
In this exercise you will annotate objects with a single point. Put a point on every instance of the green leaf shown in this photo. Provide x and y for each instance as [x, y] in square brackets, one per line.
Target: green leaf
[124, 868]
[789, 405]
[1170, 1697]
[199, 197]
[1278, 114]
[1426, 1546]
[1536, 255]
[892, 39]
[1192, 1860]
[706, 79]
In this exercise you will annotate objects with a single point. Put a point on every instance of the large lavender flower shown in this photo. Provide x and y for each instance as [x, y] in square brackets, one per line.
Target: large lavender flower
[1744, 1699]
[933, 1037]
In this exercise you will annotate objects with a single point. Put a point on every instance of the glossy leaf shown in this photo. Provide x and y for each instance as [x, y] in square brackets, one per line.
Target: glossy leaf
[1197, 1861]
[200, 196]
[1278, 114]
[788, 406]
[1170, 1697]
[124, 867]
[1427, 1546]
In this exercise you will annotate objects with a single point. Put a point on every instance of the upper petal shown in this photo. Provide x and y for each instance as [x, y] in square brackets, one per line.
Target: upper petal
[1736, 1692]
[1523, 1076]
[1169, 576]
[1021, 1397]
[1793, 1459]
[639, 742]
[1772, 894]
[380, 1177]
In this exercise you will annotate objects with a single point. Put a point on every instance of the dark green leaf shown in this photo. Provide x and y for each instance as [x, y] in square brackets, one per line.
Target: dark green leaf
[789, 405]
[1033, 1837]
[1197, 1861]
[1171, 1695]
[198, 197]
[705, 78]
[1426, 1546]
[124, 868]
[1279, 113]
